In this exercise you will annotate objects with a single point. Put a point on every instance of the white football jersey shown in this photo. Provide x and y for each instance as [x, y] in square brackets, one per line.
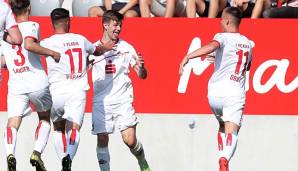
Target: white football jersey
[111, 82]
[26, 73]
[7, 19]
[69, 74]
[232, 60]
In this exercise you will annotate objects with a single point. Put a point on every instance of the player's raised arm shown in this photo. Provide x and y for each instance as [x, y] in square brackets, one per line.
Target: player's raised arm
[209, 48]
[32, 46]
[139, 67]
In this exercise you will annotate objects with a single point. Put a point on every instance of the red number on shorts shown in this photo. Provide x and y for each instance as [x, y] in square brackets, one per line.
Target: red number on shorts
[240, 56]
[70, 52]
[21, 58]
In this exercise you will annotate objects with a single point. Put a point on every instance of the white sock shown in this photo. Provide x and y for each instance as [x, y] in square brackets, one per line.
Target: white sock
[42, 135]
[10, 140]
[220, 140]
[138, 151]
[73, 139]
[60, 143]
[103, 157]
[230, 145]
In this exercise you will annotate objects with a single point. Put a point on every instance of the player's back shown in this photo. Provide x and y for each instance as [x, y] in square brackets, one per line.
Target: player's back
[231, 63]
[26, 73]
[67, 75]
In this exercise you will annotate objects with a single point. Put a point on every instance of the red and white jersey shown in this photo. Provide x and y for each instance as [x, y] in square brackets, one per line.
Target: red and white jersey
[111, 82]
[69, 74]
[232, 60]
[26, 73]
[7, 19]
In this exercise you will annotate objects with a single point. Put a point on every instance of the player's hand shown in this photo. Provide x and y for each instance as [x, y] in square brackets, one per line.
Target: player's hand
[140, 61]
[182, 64]
[90, 61]
[56, 56]
[211, 57]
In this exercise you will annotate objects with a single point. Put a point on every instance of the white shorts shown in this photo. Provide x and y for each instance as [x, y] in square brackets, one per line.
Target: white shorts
[106, 117]
[69, 106]
[18, 104]
[228, 109]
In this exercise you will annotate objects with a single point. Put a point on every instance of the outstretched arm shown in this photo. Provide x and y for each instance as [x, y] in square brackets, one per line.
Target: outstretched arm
[32, 46]
[211, 47]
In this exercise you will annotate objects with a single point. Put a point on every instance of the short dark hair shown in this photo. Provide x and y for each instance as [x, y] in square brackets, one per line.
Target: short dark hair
[19, 6]
[112, 15]
[58, 14]
[236, 13]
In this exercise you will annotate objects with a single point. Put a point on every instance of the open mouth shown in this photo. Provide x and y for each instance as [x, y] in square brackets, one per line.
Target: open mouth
[116, 33]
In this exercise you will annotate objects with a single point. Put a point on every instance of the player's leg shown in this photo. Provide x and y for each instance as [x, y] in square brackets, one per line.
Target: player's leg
[128, 122]
[102, 126]
[135, 146]
[16, 107]
[232, 116]
[60, 138]
[10, 140]
[145, 6]
[74, 114]
[42, 101]
[59, 135]
[216, 105]
[102, 151]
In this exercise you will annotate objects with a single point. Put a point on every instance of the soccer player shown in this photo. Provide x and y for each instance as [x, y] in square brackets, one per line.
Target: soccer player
[27, 83]
[113, 93]
[226, 91]
[68, 83]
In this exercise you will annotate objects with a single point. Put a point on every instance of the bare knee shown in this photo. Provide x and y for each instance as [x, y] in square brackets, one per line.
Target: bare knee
[14, 122]
[94, 11]
[131, 13]
[102, 140]
[129, 137]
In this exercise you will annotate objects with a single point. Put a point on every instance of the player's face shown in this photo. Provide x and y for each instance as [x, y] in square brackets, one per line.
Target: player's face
[113, 29]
